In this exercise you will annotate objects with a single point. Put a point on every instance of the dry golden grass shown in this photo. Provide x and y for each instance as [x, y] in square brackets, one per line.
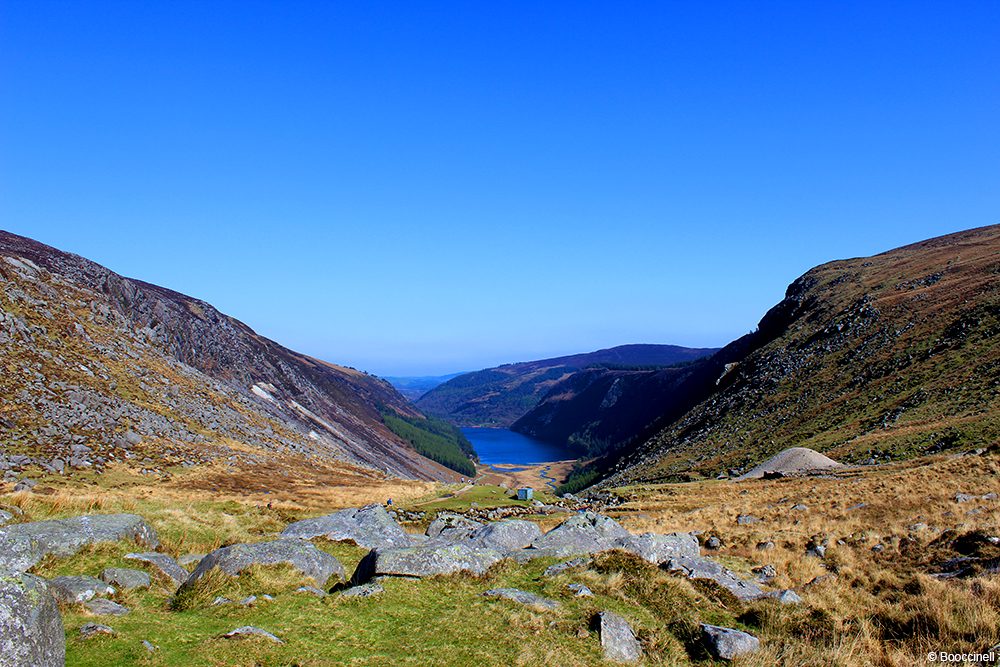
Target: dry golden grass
[883, 608]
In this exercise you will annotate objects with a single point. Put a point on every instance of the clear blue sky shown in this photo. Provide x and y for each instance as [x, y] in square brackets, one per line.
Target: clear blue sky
[419, 188]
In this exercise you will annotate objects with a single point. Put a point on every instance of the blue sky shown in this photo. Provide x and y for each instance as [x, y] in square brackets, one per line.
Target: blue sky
[420, 188]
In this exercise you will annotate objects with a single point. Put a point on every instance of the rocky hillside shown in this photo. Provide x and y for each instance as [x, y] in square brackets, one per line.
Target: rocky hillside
[498, 397]
[101, 368]
[865, 359]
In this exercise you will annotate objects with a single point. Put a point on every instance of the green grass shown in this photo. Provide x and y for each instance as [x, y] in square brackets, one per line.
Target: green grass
[437, 621]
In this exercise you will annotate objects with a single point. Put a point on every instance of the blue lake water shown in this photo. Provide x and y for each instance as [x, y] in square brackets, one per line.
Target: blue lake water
[498, 445]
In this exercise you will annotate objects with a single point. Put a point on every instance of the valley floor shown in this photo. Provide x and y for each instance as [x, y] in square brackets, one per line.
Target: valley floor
[874, 598]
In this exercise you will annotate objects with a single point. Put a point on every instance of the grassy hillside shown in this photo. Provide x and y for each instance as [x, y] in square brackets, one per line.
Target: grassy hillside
[876, 358]
[436, 439]
[497, 397]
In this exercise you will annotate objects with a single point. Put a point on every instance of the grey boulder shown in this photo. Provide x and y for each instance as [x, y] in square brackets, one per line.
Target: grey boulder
[448, 527]
[31, 630]
[88, 630]
[74, 590]
[249, 631]
[105, 607]
[125, 578]
[166, 565]
[424, 561]
[726, 643]
[363, 591]
[657, 549]
[18, 553]
[64, 537]
[370, 527]
[559, 568]
[703, 568]
[522, 597]
[618, 641]
[301, 555]
[505, 536]
[585, 533]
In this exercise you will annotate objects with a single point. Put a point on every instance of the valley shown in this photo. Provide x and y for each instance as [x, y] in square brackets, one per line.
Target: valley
[316, 508]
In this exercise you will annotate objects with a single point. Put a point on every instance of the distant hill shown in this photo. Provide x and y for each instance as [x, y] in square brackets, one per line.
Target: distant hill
[117, 361]
[498, 397]
[415, 387]
[889, 356]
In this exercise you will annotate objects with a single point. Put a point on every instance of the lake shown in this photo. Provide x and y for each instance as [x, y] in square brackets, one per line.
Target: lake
[499, 445]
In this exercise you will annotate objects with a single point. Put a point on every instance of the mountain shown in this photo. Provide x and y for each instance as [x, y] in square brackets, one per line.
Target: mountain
[97, 363]
[499, 396]
[415, 387]
[866, 359]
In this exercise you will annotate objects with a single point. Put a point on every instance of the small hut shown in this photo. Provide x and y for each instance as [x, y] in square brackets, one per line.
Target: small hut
[525, 493]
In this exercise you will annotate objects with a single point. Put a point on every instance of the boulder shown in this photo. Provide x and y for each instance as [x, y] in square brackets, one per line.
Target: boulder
[657, 549]
[522, 597]
[703, 568]
[125, 578]
[580, 590]
[559, 568]
[249, 631]
[618, 641]
[424, 561]
[584, 533]
[74, 590]
[363, 591]
[448, 527]
[370, 527]
[88, 630]
[505, 536]
[105, 607]
[301, 555]
[166, 565]
[726, 643]
[31, 630]
[18, 553]
[64, 537]
[785, 597]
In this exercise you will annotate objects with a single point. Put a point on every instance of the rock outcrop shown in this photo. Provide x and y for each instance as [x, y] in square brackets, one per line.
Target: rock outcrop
[369, 527]
[303, 556]
[31, 630]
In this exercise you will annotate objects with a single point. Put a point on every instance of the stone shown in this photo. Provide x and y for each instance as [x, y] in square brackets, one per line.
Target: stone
[964, 498]
[311, 590]
[164, 564]
[703, 568]
[765, 572]
[249, 631]
[64, 537]
[580, 591]
[18, 553]
[148, 645]
[449, 527]
[424, 561]
[5, 517]
[618, 640]
[370, 527]
[765, 546]
[816, 551]
[74, 590]
[31, 629]
[559, 568]
[88, 630]
[747, 519]
[505, 536]
[800, 507]
[105, 607]
[125, 578]
[657, 549]
[726, 643]
[584, 533]
[301, 555]
[522, 597]
[785, 597]
[25, 485]
[363, 591]
[713, 543]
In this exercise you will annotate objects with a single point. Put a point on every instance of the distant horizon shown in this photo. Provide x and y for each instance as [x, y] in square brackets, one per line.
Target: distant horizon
[412, 190]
